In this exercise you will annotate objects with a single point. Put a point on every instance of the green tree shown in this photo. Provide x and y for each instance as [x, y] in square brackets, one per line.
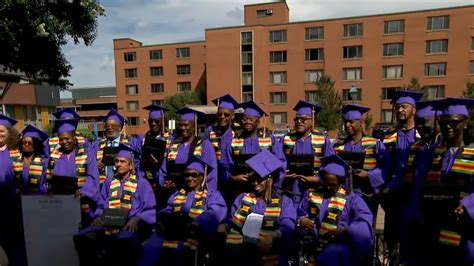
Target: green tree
[330, 101]
[368, 121]
[32, 34]
[416, 86]
[180, 100]
[469, 93]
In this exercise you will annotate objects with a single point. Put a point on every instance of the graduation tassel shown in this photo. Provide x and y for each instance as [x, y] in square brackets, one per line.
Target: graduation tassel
[124, 128]
[268, 193]
[195, 125]
[163, 123]
[312, 118]
[204, 180]
[264, 127]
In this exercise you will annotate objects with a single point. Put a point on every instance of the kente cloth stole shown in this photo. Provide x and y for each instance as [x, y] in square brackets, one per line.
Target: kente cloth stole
[318, 143]
[173, 151]
[238, 144]
[215, 139]
[369, 146]
[34, 173]
[100, 155]
[124, 201]
[53, 141]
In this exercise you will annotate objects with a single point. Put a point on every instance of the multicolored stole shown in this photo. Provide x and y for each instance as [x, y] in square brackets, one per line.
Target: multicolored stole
[53, 141]
[173, 150]
[237, 144]
[215, 139]
[100, 155]
[318, 142]
[335, 208]
[34, 172]
[124, 201]
[369, 145]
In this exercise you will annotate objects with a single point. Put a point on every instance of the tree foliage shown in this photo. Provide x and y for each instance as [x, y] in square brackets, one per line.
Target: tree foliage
[32, 33]
[330, 101]
[416, 86]
[469, 93]
[180, 100]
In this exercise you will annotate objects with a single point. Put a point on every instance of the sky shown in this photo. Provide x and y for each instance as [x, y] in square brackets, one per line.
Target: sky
[168, 21]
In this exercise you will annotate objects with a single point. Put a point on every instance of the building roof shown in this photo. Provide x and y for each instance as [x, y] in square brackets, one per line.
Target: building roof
[209, 110]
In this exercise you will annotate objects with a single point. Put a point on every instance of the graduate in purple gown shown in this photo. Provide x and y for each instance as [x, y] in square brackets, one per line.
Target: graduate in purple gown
[72, 169]
[337, 221]
[305, 140]
[129, 196]
[448, 234]
[153, 144]
[369, 179]
[398, 142]
[188, 222]
[220, 136]
[250, 142]
[271, 244]
[104, 148]
[53, 141]
[30, 167]
[11, 237]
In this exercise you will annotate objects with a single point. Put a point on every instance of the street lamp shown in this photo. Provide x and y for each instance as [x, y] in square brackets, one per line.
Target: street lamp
[353, 92]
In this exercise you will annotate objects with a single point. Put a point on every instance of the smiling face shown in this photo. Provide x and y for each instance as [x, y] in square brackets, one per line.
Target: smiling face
[193, 179]
[331, 183]
[112, 129]
[224, 117]
[27, 145]
[404, 112]
[4, 134]
[250, 123]
[155, 125]
[452, 126]
[67, 141]
[186, 129]
[353, 127]
[303, 123]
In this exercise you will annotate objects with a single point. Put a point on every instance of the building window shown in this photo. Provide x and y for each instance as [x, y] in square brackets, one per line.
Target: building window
[264, 12]
[312, 76]
[353, 73]
[278, 97]
[131, 89]
[353, 30]
[435, 69]
[389, 93]
[130, 57]
[278, 118]
[386, 116]
[246, 37]
[157, 102]
[157, 87]
[471, 67]
[393, 49]
[434, 92]
[156, 71]
[130, 73]
[132, 105]
[438, 23]
[133, 121]
[247, 96]
[346, 96]
[247, 78]
[184, 86]
[351, 52]
[277, 36]
[392, 72]
[314, 33]
[278, 57]
[311, 96]
[184, 52]
[247, 58]
[394, 27]
[436, 46]
[278, 77]
[183, 69]
[472, 43]
[156, 54]
[314, 54]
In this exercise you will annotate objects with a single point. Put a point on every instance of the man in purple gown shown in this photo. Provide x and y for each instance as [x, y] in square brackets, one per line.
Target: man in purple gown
[129, 197]
[337, 221]
[188, 221]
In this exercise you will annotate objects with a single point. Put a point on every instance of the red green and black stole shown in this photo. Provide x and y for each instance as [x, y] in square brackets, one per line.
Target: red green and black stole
[173, 150]
[53, 141]
[270, 223]
[100, 155]
[124, 201]
[330, 221]
[34, 172]
[318, 142]
[369, 146]
[197, 208]
[215, 139]
[237, 144]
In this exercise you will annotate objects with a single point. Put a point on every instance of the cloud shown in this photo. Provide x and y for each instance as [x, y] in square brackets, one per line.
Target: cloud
[167, 21]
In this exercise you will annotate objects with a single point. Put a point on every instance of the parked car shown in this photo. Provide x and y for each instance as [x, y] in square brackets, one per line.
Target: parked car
[280, 132]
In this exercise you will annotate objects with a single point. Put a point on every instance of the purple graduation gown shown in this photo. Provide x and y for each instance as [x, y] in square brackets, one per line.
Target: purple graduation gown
[400, 156]
[7, 176]
[65, 166]
[224, 165]
[26, 178]
[251, 146]
[208, 156]
[357, 219]
[215, 211]
[138, 145]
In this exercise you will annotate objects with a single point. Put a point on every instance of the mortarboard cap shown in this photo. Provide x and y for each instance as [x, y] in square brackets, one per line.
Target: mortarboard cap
[264, 163]
[7, 121]
[31, 131]
[335, 165]
[252, 109]
[455, 106]
[188, 114]
[353, 112]
[66, 113]
[306, 108]
[114, 115]
[126, 151]
[411, 97]
[198, 165]
[426, 108]
[156, 112]
[226, 102]
[65, 125]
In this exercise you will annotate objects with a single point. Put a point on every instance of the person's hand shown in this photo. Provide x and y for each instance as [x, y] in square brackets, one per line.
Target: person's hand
[291, 175]
[310, 179]
[306, 223]
[362, 174]
[266, 242]
[101, 165]
[169, 184]
[240, 178]
[222, 229]
[98, 222]
[132, 225]
[460, 210]
[79, 194]
[337, 232]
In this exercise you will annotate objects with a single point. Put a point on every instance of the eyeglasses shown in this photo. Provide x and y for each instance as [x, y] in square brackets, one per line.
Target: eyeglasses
[224, 114]
[191, 174]
[452, 122]
[248, 119]
[27, 143]
[301, 119]
[156, 121]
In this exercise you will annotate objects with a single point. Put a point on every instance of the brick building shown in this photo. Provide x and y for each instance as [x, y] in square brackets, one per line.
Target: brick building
[276, 62]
